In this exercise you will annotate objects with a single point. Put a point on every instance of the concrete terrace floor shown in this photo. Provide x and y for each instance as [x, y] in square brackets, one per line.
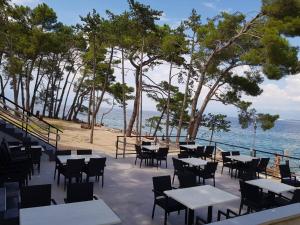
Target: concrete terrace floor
[128, 190]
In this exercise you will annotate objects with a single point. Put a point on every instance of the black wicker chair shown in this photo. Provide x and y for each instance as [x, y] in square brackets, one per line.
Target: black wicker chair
[80, 192]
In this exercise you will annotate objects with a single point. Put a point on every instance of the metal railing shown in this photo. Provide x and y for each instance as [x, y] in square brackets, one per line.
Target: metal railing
[125, 147]
[28, 122]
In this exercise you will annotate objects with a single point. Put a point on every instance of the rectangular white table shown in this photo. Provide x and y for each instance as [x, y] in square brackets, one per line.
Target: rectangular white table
[150, 147]
[63, 158]
[191, 147]
[194, 161]
[199, 197]
[241, 158]
[271, 185]
[94, 212]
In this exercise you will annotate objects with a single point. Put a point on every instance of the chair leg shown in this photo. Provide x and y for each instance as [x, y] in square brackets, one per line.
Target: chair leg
[241, 207]
[153, 210]
[222, 170]
[141, 163]
[173, 178]
[102, 180]
[166, 217]
[166, 163]
[54, 173]
[214, 181]
[135, 160]
[58, 178]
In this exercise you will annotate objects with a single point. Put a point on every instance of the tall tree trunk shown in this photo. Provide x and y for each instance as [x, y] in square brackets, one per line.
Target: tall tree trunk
[141, 89]
[21, 85]
[72, 107]
[124, 96]
[135, 105]
[93, 90]
[46, 97]
[78, 106]
[194, 104]
[36, 85]
[63, 92]
[168, 103]
[27, 84]
[90, 107]
[183, 107]
[159, 121]
[199, 114]
[68, 93]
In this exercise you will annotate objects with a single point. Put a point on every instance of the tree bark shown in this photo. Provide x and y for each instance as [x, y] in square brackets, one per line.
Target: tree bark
[168, 103]
[180, 123]
[159, 121]
[124, 95]
[135, 105]
[63, 93]
[71, 110]
[36, 85]
[68, 93]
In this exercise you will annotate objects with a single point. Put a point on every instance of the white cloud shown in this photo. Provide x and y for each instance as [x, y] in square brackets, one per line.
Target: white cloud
[209, 5]
[26, 2]
[282, 97]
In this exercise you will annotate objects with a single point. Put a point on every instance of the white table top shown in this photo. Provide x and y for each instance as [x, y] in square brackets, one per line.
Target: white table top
[241, 158]
[63, 158]
[150, 147]
[80, 213]
[200, 196]
[190, 146]
[194, 161]
[271, 185]
[270, 216]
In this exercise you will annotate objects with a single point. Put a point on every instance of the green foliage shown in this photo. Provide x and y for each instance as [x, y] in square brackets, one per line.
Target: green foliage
[249, 116]
[216, 122]
[116, 90]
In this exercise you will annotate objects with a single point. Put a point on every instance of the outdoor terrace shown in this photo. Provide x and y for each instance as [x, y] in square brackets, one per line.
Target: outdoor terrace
[128, 190]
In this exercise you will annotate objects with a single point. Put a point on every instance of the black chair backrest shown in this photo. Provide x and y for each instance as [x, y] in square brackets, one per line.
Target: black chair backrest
[161, 184]
[209, 150]
[146, 142]
[162, 152]
[250, 192]
[191, 143]
[74, 167]
[96, 166]
[235, 153]
[79, 192]
[296, 197]
[178, 165]
[183, 155]
[84, 152]
[35, 154]
[254, 163]
[5, 153]
[263, 163]
[224, 157]
[182, 142]
[138, 149]
[285, 171]
[211, 167]
[63, 152]
[35, 196]
[187, 179]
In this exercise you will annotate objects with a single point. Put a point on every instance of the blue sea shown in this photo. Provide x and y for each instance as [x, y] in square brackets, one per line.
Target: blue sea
[284, 137]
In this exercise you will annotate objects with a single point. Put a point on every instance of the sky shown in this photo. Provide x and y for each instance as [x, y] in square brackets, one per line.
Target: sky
[279, 97]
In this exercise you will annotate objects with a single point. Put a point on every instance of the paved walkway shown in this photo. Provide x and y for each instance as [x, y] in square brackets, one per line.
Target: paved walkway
[128, 190]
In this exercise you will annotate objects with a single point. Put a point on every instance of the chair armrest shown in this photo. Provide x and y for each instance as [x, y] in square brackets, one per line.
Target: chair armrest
[221, 213]
[159, 193]
[200, 221]
[53, 201]
[174, 188]
[66, 201]
[95, 197]
[232, 212]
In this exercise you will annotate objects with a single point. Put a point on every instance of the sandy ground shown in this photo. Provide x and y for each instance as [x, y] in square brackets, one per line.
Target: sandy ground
[74, 137]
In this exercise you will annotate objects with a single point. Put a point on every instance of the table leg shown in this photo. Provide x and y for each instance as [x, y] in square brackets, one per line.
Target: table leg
[209, 214]
[190, 219]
